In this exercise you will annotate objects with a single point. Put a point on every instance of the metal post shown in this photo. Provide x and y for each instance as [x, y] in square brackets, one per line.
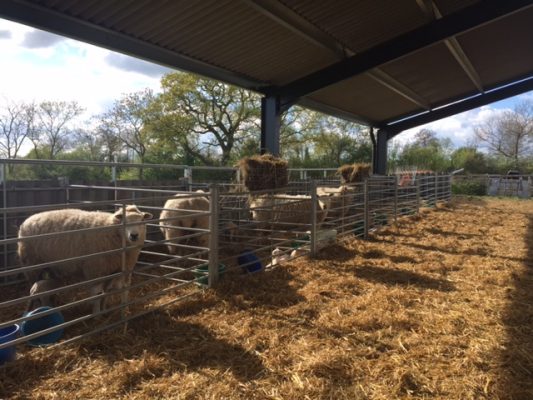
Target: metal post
[114, 176]
[213, 235]
[395, 199]
[417, 195]
[125, 294]
[450, 178]
[380, 153]
[436, 189]
[3, 179]
[187, 174]
[238, 176]
[314, 209]
[270, 124]
[302, 176]
[365, 208]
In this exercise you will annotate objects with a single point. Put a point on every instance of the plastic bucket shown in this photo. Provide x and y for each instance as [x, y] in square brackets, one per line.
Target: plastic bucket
[8, 334]
[249, 262]
[201, 273]
[39, 324]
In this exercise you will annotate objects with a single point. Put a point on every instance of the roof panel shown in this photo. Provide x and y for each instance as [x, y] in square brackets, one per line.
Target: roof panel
[502, 49]
[419, 71]
[372, 101]
[361, 24]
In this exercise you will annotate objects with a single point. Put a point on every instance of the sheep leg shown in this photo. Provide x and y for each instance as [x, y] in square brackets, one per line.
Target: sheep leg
[96, 290]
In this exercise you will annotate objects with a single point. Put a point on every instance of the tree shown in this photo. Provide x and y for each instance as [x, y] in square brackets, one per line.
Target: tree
[16, 125]
[210, 118]
[53, 127]
[509, 134]
[426, 138]
[129, 122]
[469, 158]
[425, 152]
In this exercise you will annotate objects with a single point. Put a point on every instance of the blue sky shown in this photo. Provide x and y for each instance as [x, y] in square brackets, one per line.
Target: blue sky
[36, 65]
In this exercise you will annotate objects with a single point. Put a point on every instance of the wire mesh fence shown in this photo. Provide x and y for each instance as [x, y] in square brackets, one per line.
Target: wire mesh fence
[174, 237]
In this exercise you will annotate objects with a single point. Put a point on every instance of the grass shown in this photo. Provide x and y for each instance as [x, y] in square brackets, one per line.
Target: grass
[438, 307]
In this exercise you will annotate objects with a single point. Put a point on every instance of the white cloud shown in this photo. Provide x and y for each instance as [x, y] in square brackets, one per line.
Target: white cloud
[66, 69]
[459, 128]
[38, 39]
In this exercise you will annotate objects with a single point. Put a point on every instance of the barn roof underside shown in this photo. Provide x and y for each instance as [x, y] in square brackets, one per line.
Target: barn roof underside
[377, 62]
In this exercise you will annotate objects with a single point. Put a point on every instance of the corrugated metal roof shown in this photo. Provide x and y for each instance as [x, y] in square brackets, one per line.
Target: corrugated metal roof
[255, 43]
[361, 24]
[501, 49]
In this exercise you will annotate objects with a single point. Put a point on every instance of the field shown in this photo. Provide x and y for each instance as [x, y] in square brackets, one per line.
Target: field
[438, 307]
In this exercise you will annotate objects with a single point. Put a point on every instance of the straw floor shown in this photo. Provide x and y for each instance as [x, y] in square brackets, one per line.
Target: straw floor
[439, 307]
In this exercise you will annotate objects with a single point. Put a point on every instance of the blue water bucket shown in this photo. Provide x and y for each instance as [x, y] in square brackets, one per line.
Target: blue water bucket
[8, 334]
[40, 324]
[249, 262]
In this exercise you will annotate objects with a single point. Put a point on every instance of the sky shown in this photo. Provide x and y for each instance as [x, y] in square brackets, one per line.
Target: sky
[36, 65]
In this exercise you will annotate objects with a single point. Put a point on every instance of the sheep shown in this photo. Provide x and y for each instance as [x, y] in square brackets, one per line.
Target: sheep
[60, 247]
[176, 220]
[286, 211]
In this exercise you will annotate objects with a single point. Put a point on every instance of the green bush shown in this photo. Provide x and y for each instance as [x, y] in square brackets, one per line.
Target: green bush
[470, 188]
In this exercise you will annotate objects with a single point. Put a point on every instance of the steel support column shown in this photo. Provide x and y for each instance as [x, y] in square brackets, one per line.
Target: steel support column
[379, 163]
[270, 124]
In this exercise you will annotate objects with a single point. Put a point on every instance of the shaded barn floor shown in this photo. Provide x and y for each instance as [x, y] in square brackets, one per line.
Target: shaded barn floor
[439, 307]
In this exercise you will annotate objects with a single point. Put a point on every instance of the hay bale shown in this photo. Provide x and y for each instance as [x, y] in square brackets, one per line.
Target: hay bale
[353, 173]
[263, 172]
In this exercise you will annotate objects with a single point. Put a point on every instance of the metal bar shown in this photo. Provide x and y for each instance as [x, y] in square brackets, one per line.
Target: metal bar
[450, 25]
[500, 93]
[365, 209]
[213, 235]
[432, 11]
[395, 199]
[314, 205]
[417, 195]
[3, 180]
[30, 161]
[386, 80]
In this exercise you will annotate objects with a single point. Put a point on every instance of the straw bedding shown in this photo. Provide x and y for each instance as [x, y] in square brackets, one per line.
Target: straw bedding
[439, 307]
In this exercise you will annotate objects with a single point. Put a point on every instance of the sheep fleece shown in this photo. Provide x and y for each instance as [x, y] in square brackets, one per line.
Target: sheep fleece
[74, 245]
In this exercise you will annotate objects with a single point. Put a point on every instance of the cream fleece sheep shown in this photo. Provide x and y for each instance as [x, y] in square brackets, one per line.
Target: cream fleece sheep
[287, 211]
[60, 247]
[176, 220]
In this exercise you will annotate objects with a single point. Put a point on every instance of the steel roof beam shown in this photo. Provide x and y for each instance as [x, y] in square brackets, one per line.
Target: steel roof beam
[29, 13]
[450, 25]
[288, 18]
[432, 11]
[500, 93]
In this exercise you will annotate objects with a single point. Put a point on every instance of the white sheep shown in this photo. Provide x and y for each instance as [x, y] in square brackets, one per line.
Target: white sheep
[177, 220]
[76, 244]
[341, 199]
[286, 211]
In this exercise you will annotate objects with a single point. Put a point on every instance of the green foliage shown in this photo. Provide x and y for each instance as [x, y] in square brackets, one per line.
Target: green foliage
[469, 158]
[471, 188]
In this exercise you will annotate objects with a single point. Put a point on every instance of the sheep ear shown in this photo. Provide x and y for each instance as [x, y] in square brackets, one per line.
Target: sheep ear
[147, 215]
[118, 216]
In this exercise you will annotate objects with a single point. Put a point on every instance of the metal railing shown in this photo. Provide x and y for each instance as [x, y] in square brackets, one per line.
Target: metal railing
[247, 232]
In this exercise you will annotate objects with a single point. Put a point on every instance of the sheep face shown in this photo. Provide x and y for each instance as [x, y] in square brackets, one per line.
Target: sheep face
[136, 233]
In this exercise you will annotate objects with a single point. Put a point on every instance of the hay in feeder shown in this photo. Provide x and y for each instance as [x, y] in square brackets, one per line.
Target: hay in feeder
[263, 172]
[354, 173]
